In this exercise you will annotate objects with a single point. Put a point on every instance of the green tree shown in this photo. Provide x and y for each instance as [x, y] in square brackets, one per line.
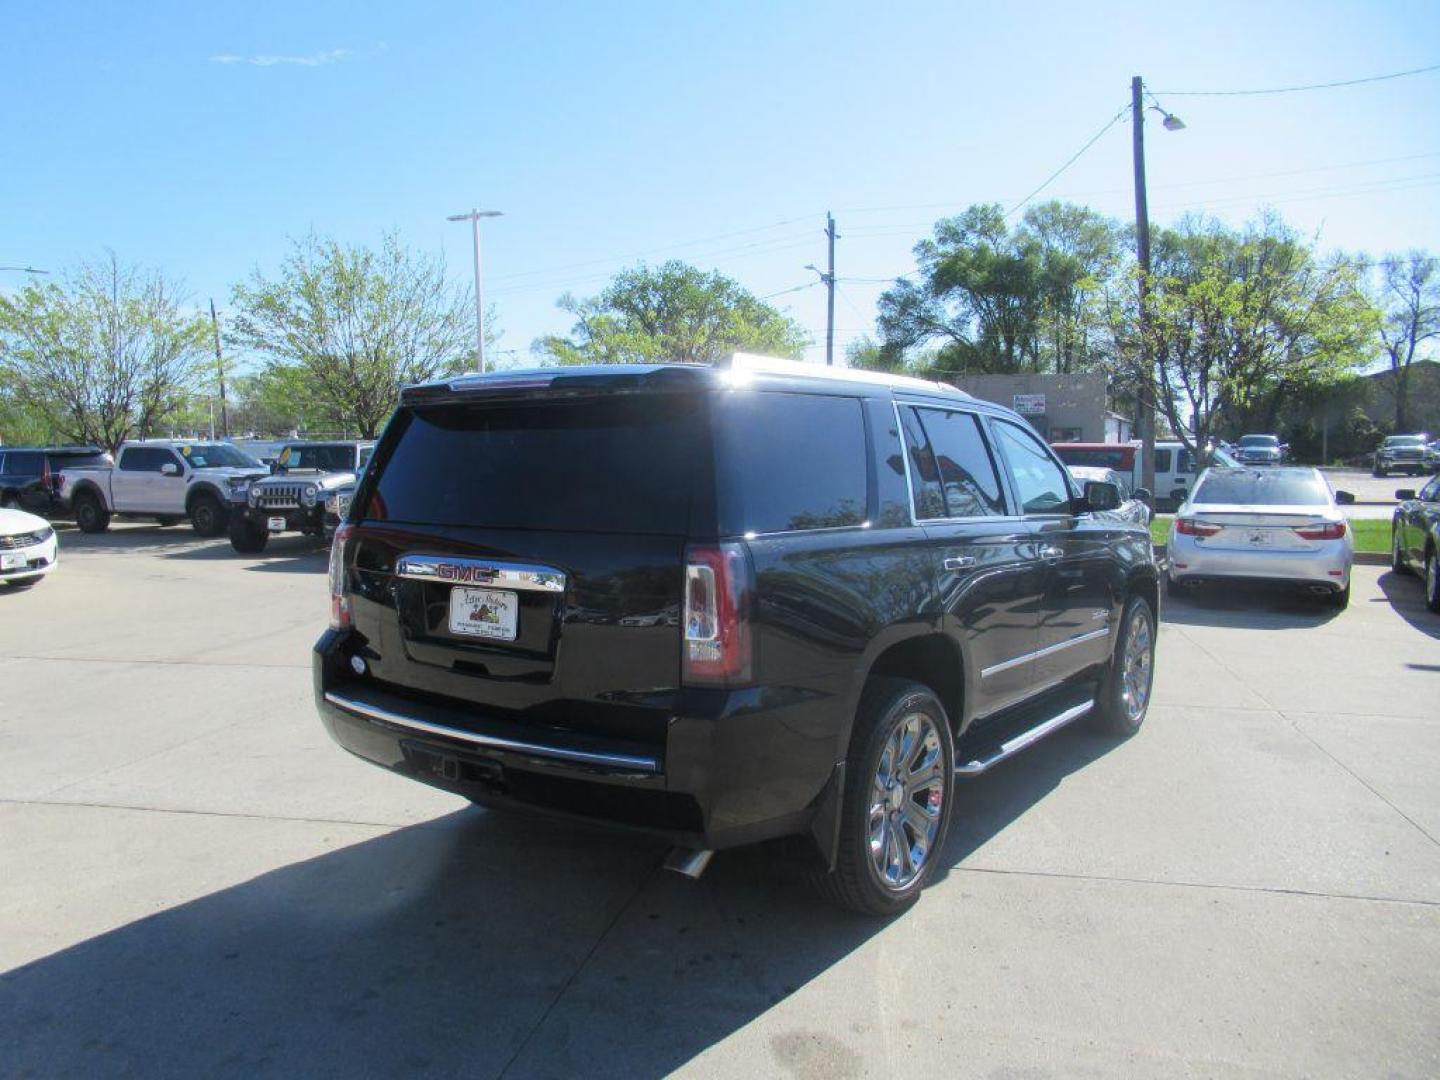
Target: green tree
[107, 353]
[998, 300]
[1408, 298]
[1243, 319]
[355, 324]
[673, 313]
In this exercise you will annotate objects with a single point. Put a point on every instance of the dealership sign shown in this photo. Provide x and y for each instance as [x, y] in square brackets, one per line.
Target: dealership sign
[1030, 404]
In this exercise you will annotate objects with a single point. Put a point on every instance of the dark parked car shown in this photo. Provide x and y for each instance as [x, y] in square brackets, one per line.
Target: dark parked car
[30, 475]
[1415, 537]
[728, 605]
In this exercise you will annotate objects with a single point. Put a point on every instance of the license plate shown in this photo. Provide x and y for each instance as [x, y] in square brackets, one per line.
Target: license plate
[277, 524]
[484, 613]
[13, 561]
[1258, 538]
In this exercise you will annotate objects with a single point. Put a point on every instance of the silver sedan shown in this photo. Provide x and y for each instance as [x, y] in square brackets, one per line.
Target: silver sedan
[1277, 525]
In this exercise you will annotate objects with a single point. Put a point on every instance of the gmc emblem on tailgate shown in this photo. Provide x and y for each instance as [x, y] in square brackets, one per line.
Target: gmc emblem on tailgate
[471, 571]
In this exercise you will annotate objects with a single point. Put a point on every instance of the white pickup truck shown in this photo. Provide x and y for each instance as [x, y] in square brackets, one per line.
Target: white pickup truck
[164, 479]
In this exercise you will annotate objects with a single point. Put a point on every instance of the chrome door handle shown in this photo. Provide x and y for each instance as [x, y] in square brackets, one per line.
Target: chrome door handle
[1052, 554]
[961, 562]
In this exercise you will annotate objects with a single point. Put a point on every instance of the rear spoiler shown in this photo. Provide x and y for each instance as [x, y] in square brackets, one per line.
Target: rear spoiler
[568, 382]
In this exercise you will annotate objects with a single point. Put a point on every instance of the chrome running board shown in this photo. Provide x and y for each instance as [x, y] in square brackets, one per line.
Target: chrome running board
[1025, 739]
[690, 862]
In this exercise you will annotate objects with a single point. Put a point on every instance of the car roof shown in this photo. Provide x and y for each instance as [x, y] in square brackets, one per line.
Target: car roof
[68, 448]
[741, 368]
[326, 442]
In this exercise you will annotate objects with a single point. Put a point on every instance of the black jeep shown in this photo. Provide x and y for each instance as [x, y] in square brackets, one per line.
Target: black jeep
[295, 497]
[728, 605]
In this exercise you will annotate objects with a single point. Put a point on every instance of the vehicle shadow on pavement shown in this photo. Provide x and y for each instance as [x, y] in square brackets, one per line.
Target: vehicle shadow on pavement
[1253, 607]
[1405, 593]
[471, 944]
[286, 555]
[155, 539]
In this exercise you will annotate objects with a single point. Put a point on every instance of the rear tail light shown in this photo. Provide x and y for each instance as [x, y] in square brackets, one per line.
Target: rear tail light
[339, 601]
[717, 619]
[1331, 530]
[1190, 527]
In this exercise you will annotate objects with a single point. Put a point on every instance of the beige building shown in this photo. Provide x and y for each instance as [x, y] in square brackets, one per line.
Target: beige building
[1063, 408]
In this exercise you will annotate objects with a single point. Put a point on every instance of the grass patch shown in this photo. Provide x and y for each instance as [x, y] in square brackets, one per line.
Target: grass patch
[1371, 535]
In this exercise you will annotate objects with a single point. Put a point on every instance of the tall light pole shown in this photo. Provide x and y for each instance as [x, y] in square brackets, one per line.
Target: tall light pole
[1146, 396]
[828, 280]
[474, 217]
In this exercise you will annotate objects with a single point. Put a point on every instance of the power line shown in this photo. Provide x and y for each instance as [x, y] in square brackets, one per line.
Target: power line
[1298, 89]
[1078, 154]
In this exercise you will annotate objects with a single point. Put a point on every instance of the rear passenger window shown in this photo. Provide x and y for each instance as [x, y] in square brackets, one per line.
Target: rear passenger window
[789, 461]
[968, 478]
[1162, 461]
[924, 471]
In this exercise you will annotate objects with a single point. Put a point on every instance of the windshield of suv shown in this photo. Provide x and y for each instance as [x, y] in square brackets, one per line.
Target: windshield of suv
[336, 458]
[1259, 440]
[624, 464]
[1405, 440]
[1271, 487]
[217, 456]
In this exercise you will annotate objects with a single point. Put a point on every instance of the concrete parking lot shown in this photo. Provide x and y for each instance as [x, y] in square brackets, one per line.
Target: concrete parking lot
[195, 882]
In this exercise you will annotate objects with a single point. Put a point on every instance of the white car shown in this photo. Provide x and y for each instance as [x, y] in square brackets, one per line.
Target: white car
[28, 548]
[1278, 525]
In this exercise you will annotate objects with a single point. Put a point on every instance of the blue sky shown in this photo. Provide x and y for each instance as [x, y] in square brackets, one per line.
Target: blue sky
[198, 137]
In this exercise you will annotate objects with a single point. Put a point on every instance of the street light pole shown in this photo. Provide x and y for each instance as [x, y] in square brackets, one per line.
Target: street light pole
[474, 217]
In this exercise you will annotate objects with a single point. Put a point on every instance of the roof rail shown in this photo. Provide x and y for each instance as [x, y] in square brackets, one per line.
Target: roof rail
[774, 365]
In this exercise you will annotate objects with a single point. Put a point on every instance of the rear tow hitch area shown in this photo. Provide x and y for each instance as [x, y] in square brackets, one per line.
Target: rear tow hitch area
[690, 862]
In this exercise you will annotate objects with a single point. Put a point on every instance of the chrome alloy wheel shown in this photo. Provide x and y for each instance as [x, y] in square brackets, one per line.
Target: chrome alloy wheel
[1432, 581]
[907, 800]
[1136, 672]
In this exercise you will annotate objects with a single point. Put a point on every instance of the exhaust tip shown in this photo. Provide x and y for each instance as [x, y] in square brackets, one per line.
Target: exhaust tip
[690, 862]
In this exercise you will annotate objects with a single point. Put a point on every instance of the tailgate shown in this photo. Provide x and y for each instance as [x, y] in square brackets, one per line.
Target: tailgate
[526, 560]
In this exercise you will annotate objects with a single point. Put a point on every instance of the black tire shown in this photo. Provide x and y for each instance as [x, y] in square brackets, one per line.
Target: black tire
[856, 883]
[90, 513]
[28, 583]
[1432, 581]
[9, 501]
[1340, 598]
[167, 520]
[245, 537]
[1113, 705]
[1397, 558]
[207, 515]
[1377, 471]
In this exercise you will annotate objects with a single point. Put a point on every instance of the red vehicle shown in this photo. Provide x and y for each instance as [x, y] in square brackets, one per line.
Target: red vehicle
[1124, 458]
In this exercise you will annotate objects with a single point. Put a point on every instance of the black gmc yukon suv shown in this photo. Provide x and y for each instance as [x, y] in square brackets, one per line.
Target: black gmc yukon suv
[728, 605]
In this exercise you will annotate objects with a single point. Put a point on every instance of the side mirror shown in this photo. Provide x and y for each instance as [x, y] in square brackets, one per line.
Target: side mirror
[1405, 494]
[169, 469]
[1101, 495]
[1344, 498]
[1144, 495]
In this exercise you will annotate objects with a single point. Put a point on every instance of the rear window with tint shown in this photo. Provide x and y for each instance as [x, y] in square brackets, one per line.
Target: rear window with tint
[621, 464]
[786, 462]
[1267, 488]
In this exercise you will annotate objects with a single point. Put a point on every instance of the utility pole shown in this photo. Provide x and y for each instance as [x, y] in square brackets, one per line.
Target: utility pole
[1145, 393]
[830, 288]
[828, 280]
[220, 369]
[474, 217]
